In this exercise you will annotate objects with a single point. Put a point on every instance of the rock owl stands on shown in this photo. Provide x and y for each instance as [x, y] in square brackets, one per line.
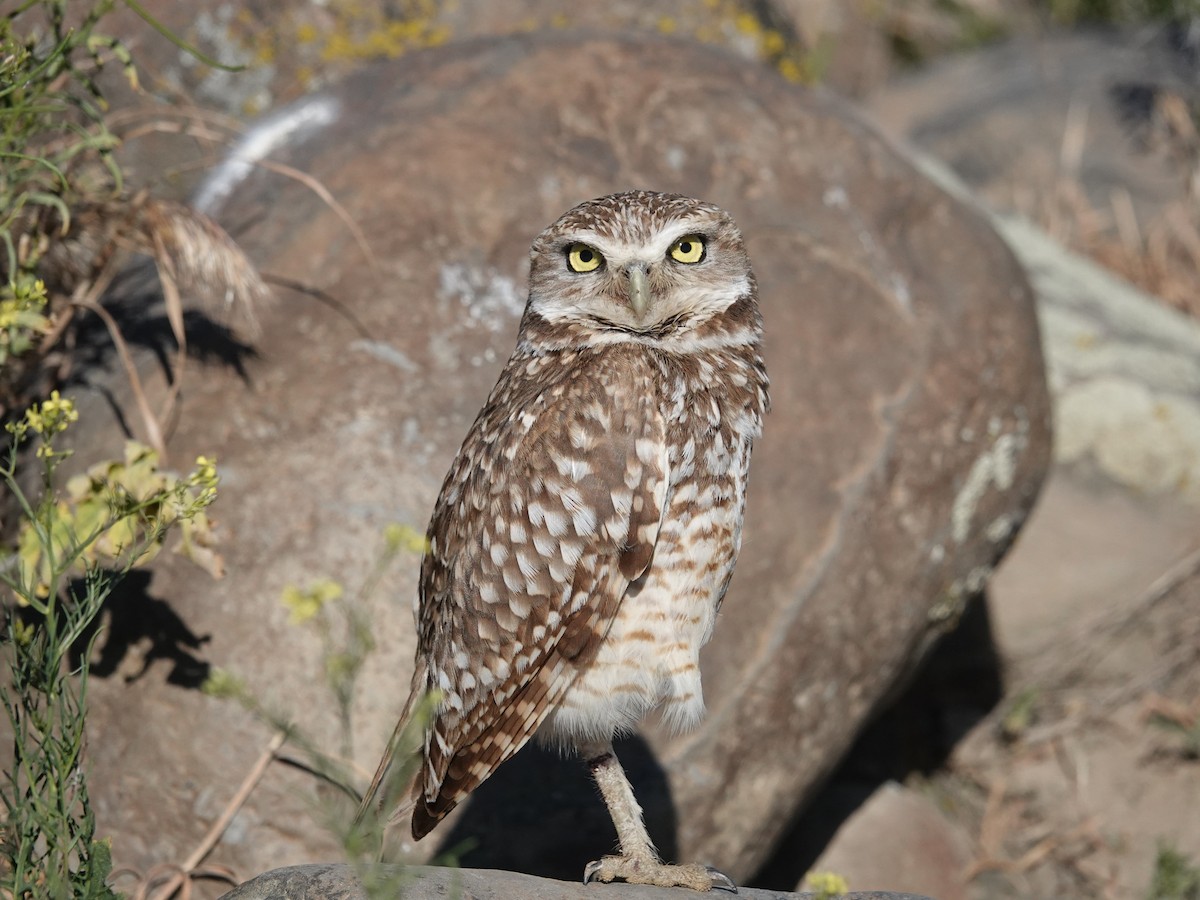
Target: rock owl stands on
[587, 531]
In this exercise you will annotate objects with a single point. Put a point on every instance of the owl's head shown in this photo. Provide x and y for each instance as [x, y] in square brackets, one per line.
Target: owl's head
[639, 266]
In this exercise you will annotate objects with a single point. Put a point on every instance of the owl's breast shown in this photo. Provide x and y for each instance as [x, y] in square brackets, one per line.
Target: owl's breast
[650, 657]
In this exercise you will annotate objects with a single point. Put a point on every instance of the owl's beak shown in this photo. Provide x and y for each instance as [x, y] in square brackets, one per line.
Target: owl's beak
[639, 290]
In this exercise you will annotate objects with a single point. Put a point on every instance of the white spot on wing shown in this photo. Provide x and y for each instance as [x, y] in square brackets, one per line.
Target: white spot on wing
[584, 520]
[527, 564]
[556, 523]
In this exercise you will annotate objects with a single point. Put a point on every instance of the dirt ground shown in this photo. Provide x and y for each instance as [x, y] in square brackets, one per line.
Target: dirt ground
[1091, 761]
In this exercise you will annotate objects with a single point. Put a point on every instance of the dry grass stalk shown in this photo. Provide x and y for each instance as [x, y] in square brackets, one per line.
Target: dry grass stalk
[191, 253]
[1161, 257]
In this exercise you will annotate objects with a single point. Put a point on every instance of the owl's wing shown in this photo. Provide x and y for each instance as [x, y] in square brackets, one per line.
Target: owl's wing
[558, 511]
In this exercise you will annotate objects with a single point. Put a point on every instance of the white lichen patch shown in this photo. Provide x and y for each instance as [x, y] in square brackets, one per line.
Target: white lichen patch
[243, 89]
[802, 700]
[1136, 436]
[901, 292]
[1001, 527]
[487, 357]
[488, 299]
[949, 607]
[977, 578]
[995, 468]
[835, 197]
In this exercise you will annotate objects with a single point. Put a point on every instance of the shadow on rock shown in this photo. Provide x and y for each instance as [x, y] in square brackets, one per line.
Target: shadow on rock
[134, 625]
[135, 302]
[913, 733]
[540, 814]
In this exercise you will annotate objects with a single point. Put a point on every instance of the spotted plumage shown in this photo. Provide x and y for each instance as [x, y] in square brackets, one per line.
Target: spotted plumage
[586, 533]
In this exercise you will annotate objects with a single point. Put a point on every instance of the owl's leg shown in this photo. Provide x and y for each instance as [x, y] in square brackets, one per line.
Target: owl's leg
[638, 862]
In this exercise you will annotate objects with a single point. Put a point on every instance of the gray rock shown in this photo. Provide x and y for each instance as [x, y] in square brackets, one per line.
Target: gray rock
[335, 882]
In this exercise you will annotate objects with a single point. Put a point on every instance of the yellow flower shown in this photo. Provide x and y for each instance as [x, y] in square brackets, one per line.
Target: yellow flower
[773, 43]
[404, 537]
[22, 632]
[747, 23]
[790, 70]
[305, 605]
[437, 36]
[826, 885]
[52, 416]
[60, 408]
[223, 683]
[206, 479]
[16, 315]
[22, 305]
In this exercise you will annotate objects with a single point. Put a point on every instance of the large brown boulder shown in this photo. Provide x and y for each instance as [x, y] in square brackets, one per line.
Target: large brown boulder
[908, 439]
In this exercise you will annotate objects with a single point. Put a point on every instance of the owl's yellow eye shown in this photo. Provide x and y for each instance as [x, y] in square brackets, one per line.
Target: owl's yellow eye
[582, 258]
[688, 249]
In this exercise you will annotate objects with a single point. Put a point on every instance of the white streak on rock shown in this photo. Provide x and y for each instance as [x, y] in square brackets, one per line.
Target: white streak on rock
[997, 467]
[264, 137]
[385, 352]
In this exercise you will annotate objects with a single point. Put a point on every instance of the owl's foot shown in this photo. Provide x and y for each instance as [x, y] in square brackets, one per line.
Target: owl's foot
[638, 862]
[646, 870]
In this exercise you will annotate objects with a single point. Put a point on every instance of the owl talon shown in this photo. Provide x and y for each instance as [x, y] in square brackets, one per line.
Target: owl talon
[591, 870]
[721, 881]
[638, 870]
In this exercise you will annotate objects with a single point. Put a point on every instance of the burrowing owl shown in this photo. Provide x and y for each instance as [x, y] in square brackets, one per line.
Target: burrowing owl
[586, 533]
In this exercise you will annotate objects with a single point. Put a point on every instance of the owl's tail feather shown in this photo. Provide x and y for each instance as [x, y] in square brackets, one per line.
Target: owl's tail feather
[395, 780]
